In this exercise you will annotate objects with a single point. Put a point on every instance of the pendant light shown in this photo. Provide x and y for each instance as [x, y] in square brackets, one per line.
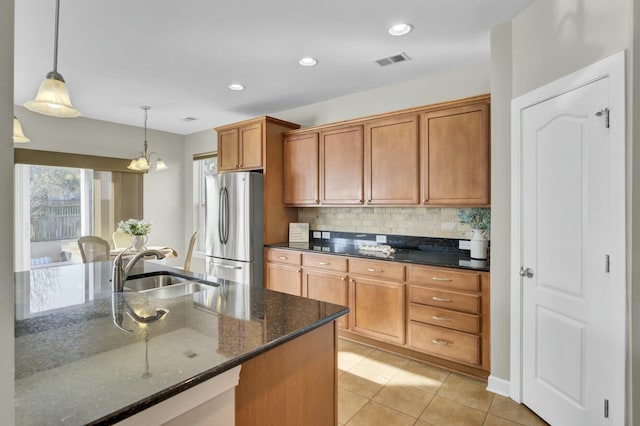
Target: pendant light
[18, 134]
[53, 96]
[143, 162]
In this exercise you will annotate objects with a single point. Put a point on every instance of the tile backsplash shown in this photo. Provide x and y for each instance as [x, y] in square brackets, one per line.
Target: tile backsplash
[417, 221]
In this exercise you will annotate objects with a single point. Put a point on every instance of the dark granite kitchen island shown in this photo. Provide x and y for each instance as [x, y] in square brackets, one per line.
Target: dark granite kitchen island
[74, 366]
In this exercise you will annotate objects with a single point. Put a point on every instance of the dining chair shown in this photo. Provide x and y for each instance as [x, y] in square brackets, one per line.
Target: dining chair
[93, 249]
[187, 259]
[121, 240]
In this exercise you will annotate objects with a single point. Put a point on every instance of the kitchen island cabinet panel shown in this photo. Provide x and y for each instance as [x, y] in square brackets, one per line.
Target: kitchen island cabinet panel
[342, 166]
[301, 169]
[392, 161]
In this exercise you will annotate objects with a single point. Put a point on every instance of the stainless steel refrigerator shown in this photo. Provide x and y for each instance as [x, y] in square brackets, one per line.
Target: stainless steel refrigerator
[234, 226]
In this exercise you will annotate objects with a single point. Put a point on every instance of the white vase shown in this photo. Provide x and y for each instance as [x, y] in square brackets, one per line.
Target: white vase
[139, 242]
[479, 245]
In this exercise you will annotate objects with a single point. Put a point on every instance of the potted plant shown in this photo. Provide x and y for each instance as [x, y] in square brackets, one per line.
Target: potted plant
[138, 229]
[479, 219]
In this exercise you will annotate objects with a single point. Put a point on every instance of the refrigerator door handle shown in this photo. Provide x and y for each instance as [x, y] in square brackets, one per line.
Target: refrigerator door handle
[222, 265]
[225, 225]
[220, 217]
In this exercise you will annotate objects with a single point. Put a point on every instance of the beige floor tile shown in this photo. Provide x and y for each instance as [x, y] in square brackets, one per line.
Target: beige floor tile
[374, 414]
[359, 385]
[492, 420]
[421, 423]
[389, 358]
[421, 376]
[511, 410]
[348, 405]
[374, 370]
[444, 412]
[467, 391]
[406, 399]
[350, 353]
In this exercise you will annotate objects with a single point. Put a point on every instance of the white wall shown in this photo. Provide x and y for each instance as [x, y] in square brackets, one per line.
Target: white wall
[550, 39]
[6, 215]
[163, 195]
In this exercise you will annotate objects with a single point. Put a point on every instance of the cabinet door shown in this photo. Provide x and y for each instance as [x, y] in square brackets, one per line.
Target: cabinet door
[251, 146]
[326, 287]
[342, 166]
[228, 150]
[392, 161]
[286, 279]
[378, 309]
[455, 156]
[301, 169]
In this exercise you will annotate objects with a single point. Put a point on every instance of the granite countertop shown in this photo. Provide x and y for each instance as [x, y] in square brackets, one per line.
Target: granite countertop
[427, 256]
[74, 366]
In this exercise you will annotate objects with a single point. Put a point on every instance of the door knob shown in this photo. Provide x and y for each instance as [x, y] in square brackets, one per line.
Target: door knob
[526, 272]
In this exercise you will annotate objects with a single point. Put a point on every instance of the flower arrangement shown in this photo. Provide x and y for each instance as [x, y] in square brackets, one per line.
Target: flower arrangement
[135, 227]
[476, 218]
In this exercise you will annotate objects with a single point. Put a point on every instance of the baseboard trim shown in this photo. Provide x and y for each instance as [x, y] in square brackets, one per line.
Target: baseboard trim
[499, 386]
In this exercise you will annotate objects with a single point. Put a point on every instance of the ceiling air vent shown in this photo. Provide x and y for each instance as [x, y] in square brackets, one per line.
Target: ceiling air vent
[190, 119]
[393, 59]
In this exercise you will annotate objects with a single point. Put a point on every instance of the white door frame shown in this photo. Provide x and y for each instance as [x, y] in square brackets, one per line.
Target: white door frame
[612, 67]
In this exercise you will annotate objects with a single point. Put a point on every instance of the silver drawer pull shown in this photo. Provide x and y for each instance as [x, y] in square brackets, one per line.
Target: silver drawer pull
[441, 342]
[325, 263]
[441, 279]
[282, 257]
[439, 318]
[374, 270]
[441, 299]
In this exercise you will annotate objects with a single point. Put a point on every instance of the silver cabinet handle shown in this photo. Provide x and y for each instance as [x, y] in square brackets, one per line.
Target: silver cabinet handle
[441, 342]
[439, 318]
[526, 272]
[226, 266]
[441, 279]
[441, 299]
[374, 270]
[282, 257]
[325, 263]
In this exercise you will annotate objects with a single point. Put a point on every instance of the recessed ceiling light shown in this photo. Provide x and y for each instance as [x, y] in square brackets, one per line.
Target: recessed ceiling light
[236, 86]
[308, 62]
[400, 29]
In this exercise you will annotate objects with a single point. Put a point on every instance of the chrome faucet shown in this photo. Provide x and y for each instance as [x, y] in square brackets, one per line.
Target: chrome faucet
[120, 272]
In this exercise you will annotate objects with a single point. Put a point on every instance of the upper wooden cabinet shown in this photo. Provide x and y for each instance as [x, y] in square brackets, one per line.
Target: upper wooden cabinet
[301, 169]
[342, 166]
[455, 155]
[240, 148]
[392, 161]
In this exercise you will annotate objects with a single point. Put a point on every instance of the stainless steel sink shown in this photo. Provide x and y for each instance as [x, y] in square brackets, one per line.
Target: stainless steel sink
[176, 290]
[152, 282]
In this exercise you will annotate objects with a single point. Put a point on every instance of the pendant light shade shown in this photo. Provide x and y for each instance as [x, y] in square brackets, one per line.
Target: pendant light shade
[143, 162]
[53, 97]
[18, 134]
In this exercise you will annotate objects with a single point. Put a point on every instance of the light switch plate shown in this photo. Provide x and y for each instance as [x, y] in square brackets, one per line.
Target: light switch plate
[465, 245]
[326, 235]
[317, 234]
[382, 239]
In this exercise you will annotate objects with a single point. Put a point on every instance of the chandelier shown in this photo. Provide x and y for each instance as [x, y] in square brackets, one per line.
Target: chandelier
[143, 162]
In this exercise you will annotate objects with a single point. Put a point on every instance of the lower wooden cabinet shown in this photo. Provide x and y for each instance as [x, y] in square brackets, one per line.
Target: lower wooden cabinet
[377, 309]
[283, 278]
[326, 286]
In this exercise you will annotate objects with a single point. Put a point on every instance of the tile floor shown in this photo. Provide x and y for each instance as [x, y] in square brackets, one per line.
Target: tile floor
[379, 388]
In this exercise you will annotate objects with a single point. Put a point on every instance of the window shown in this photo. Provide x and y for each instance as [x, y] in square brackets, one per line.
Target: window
[203, 165]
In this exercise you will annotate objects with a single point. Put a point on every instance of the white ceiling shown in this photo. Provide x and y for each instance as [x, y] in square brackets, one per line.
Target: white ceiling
[179, 56]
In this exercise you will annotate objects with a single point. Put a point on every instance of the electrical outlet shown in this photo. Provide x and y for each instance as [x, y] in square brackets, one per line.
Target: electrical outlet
[317, 234]
[465, 245]
[326, 235]
[382, 239]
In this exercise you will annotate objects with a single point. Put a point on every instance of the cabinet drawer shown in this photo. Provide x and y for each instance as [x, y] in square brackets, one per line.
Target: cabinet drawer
[454, 345]
[383, 270]
[284, 256]
[454, 280]
[463, 302]
[445, 318]
[323, 261]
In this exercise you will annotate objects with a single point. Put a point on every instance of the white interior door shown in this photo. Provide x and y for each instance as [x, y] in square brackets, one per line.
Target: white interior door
[572, 259]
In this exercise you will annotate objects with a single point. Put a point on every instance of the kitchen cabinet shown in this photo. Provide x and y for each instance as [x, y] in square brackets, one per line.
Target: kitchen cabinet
[455, 155]
[342, 166]
[257, 144]
[392, 161]
[282, 271]
[301, 169]
[377, 305]
[448, 314]
[324, 278]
